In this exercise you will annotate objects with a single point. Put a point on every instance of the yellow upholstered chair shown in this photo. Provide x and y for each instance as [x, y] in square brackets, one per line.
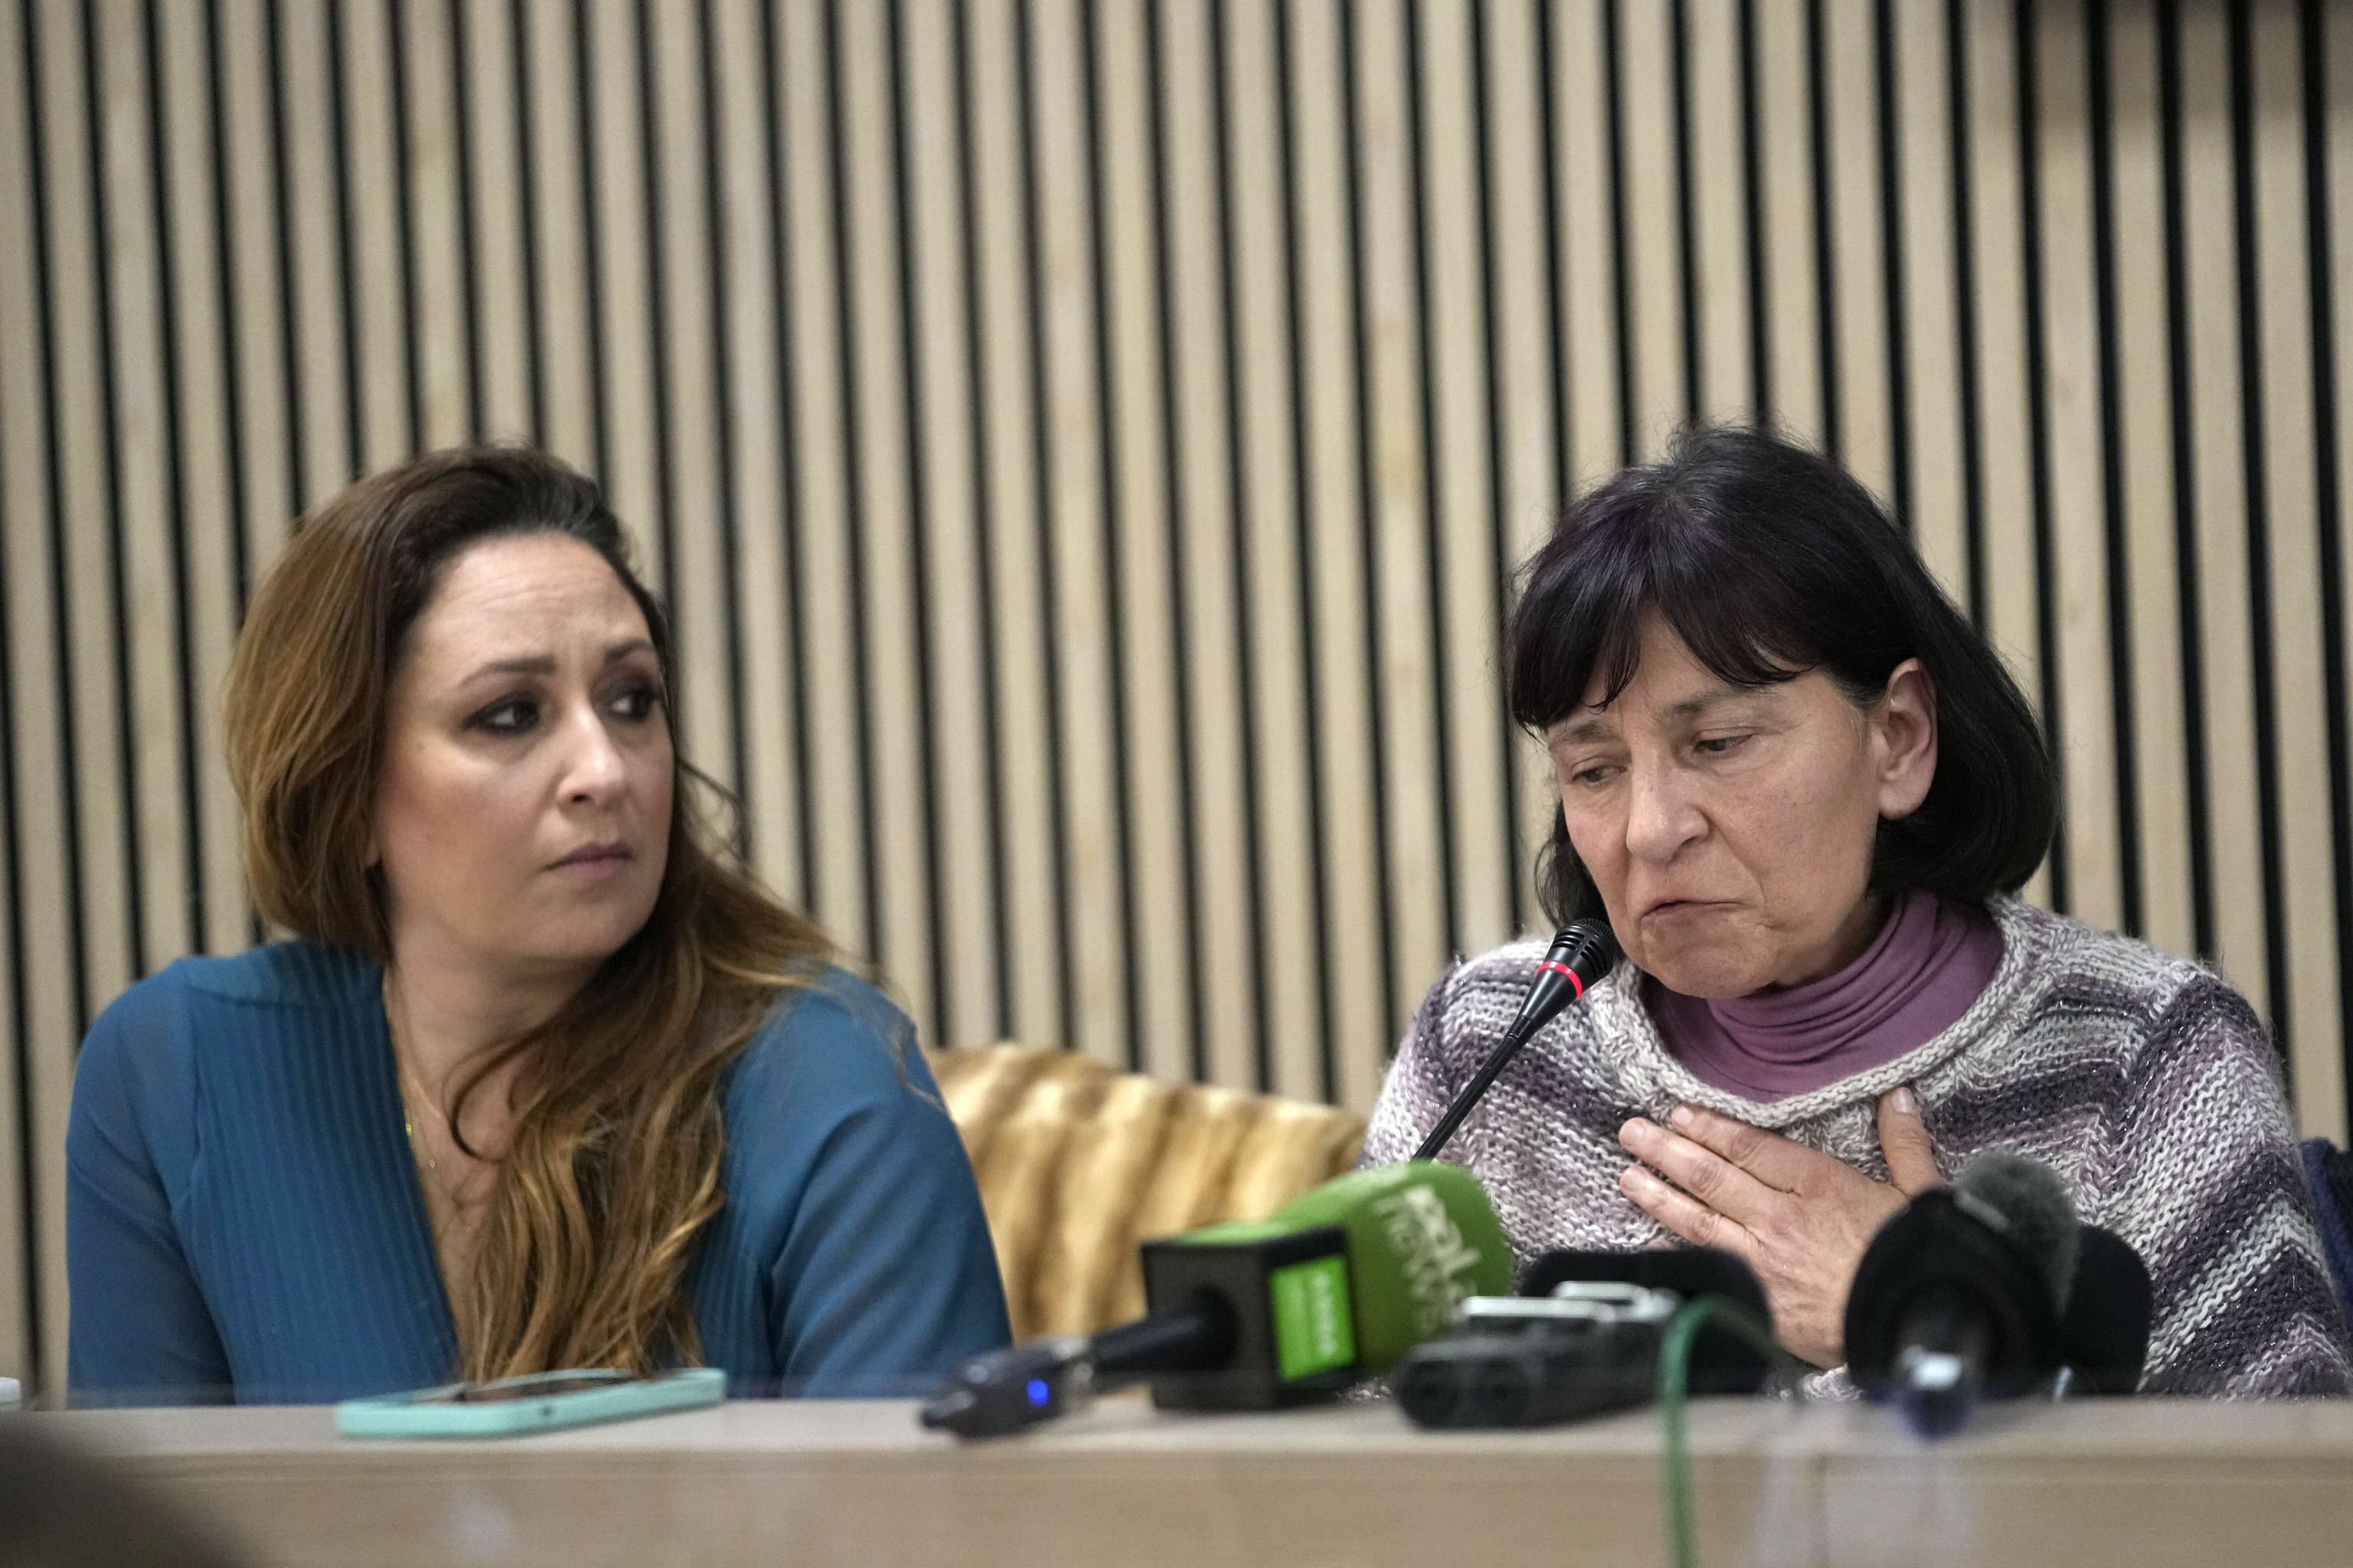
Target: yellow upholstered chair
[1079, 1162]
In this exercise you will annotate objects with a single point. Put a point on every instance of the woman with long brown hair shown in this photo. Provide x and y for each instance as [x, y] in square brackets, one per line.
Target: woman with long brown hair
[542, 1080]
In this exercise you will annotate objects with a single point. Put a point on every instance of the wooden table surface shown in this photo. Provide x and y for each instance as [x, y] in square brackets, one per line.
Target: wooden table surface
[2127, 1482]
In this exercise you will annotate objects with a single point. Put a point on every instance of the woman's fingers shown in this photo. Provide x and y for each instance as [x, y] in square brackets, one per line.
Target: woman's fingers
[1774, 1161]
[1904, 1138]
[1717, 1181]
[1686, 1216]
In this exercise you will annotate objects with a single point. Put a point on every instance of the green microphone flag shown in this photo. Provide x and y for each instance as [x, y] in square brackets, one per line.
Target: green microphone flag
[1333, 1287]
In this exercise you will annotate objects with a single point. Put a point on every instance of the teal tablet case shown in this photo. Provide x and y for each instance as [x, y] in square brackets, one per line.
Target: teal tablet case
[400, 1414]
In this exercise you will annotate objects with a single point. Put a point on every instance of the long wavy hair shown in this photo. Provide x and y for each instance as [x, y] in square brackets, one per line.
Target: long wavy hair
[612, 1167]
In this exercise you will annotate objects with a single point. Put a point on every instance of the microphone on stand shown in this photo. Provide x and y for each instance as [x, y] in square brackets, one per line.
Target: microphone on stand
[1990, 1289]
[1580, 954]
[1334, 1287]
[1256, 1315]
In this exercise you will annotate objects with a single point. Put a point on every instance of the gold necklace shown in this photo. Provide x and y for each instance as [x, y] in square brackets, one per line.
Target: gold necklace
[408, 1081]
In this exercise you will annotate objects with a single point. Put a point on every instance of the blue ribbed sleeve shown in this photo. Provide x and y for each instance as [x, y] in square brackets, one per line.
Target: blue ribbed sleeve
[244, 1220]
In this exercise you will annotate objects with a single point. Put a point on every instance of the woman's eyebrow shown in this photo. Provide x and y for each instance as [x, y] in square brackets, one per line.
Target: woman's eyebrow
[544, 663]
[1700, 703]
[1583, 730]
[525, 664]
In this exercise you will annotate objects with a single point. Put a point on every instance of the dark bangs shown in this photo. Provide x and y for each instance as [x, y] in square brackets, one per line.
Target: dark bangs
[1768, 561]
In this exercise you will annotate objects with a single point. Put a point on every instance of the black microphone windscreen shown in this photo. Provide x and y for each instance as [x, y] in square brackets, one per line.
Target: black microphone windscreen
[2034, 1211]
[2104, 1330]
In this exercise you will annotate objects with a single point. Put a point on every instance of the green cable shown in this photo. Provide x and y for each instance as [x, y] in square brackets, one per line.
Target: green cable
[1674, 1380]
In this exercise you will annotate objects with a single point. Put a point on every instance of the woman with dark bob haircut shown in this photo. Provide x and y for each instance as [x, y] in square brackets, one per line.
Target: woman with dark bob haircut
[1804, 793]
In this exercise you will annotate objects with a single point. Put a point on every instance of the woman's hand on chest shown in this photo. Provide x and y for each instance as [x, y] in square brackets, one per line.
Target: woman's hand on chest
[1801, 1218]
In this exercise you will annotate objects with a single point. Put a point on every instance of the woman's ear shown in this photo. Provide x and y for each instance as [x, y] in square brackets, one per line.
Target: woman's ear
[1903, 740]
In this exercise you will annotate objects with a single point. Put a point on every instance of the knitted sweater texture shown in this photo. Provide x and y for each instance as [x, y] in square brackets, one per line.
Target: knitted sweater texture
[2144, 1081]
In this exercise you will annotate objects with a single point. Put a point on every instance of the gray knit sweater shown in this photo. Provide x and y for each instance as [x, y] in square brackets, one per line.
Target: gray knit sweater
[2142, 1079]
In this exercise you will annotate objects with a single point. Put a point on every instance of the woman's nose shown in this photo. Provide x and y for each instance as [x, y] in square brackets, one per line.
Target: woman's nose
[595, 772]
[1660, 816]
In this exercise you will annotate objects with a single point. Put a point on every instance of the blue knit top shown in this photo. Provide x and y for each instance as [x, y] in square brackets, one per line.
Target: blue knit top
[243, 1217]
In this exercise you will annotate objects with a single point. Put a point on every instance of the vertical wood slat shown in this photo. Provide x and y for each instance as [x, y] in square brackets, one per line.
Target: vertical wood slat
[2219, 497]
[2071, 401]
[1085, 639]
[1326, 293]
[1465, 558]
[1292, 963]
[2284, 307]
[2141, 400]
[1031, 826]
[1211, 587]
[1127, 252]
[1401, 584]
[28, 797]
[755, 402]
[1084, 440]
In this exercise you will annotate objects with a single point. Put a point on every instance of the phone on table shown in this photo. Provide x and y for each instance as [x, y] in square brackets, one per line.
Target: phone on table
[536, 1402]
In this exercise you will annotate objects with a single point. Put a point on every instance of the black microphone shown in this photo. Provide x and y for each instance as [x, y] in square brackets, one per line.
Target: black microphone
[1582, 953]
[1988, 1289]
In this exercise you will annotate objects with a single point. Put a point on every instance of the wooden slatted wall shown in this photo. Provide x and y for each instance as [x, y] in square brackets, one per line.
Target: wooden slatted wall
[1086, 443]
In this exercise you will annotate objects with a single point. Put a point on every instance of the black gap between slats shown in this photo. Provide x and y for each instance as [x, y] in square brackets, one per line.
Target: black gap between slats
[2328, 505]
[1432, 509]
[1686, 214]
[1499, 550]
[1238, 456]
[657, 306]
[1825, 331]
[2037, 419]
[173, 466]
[723, 378]
[2257, 474]
[1621, 300]
[1891, 232]
[2124, 736]
[1367, 522]
[404, 210]
[522, 86]
[62, 622]
[1114, 485]
[30, 1210]
[468, 214]
[2182, 435]
[861, 681]
[109, 437]
[1752, 197]
[281, 191]
[919, 521]
[1965, 365]
[981, 457]
[1042, 437]
[1174, 501]
[592, 241]
[227, 259]
[347, 273]
[1565, 479]
[1306, 505]
[785, 327]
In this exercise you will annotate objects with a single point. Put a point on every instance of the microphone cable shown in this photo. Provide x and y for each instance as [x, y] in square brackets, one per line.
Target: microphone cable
[1674, 1393]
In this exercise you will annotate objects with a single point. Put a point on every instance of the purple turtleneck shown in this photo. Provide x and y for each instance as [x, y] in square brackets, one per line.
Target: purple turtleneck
[1928, 963]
